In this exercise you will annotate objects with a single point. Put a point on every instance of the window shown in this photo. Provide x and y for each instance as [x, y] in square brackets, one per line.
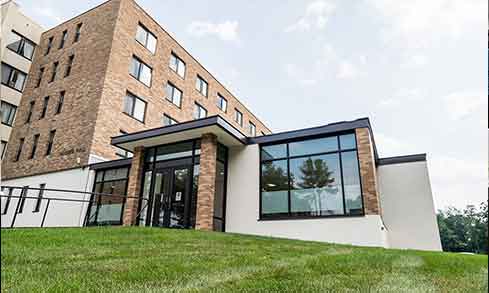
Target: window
[29, 113]
[201, 85]
[39, 77]
[146, 38]
[8, 113]
[252, 129]
[23, 195]
[77, 32]
[140, 71]
[121, 152]
[7, 202]
[61, 101]
[310, 178]
[134, 107]
[177, 65]
[49, 147]
[68, 66]
[167, 120]
[104, 209]
[53, 73]
[12, 77]
[19, 149]
[238, 117]
[44, 107]
[21, 45]
[222, 103]
[34, 146]
[173, 94]
[3, 149]
[50, 44]
[199, 112]
[64, 36]
[40, 194]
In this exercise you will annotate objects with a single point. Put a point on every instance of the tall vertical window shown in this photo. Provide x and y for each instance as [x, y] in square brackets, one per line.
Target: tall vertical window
[199, 112]
[311, 178]
[77, 32]
[121, 153]
[64, 36]
[177, 65]
[252, 129]
[12, 77]
[8, 113]
[167, 120]
[146, 38]
[22, 198]
[69, 65]
[19, 149]
[134, 107]
[45, 105]
[61, 101]
[238, 117]
[53, 73]
[29, 113]
[34, 146]
[7, 202]
[49, 45]
[173, 94]
[3, 149]
[39, 77]
[21, 45]
[49, 147]
[140, 71]
[40, 194]
[222, 103]
[201, 85]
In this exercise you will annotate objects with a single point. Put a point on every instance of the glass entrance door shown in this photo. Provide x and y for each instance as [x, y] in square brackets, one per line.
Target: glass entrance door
[171, 197]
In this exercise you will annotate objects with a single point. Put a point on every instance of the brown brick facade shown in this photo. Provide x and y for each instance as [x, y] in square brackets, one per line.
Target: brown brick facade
[207, 180]
[94, 92]
[368, 172]
[134, 187]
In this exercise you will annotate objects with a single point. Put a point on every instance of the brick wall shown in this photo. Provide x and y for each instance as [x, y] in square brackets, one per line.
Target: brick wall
[207, 183]
[368, 172]
[134, 187]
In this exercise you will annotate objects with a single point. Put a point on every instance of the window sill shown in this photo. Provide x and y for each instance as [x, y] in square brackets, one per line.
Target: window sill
[30, 60]
[292, 218]
[132, 117]
[11, 87]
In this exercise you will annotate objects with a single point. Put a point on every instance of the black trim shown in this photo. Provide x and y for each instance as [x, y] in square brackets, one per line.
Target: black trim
[110, 164]
[34, 45]
[402, 159]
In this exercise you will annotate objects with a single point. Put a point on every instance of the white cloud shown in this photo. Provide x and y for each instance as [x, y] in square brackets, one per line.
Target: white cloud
[414, 61]
[462, 104]
[316, 16]
[226, 31]
[299, 75]
[347, 70]
[419, 22]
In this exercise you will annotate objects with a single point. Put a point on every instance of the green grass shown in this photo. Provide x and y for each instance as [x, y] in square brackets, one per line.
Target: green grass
[116, 259]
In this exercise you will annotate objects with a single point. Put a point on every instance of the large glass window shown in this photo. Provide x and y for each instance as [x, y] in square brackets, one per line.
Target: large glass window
[177, 65]
[222, 103]
[173, 94]
[21, 45]
[140, 71]
[146, 38]
[201, 85]
[134, 107]
[311, 178]
[8, 113]
[12, 77]
[199, 112]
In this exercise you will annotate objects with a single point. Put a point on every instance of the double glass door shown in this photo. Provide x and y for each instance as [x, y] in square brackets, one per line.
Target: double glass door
[171, 197]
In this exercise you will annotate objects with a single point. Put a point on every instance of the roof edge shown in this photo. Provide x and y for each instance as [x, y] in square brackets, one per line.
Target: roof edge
[402, 159]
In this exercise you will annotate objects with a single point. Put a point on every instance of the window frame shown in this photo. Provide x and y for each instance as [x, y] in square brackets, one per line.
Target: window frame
[172, 121]
[35, 144]
[49, 147]
[148, 32]
[288, 158]
[199, 108]
[23, 41]
[180, 60]
[12, 69]
[49, 45]
[18, 154]
[200, 85]
[4, 148]
[128, 93]
[62, 41]
[11, 117]
[251, 126]
[171, 99]
[221, 98]
[44, 109]
[236, 115]
[76, 38]
[54, 71]
[141, 64]
[69, 65]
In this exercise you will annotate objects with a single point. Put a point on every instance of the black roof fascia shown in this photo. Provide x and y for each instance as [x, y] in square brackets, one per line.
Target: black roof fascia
[110, 164]
[402, 159]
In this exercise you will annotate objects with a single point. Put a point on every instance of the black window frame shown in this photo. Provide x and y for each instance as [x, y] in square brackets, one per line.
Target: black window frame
[170, 97]
[11, 72]
[69, 65]
[44, 109]
[49, 147]
[199, 108]
[61, 100]
[148, 32]
[21, 46]
[251, 126]
[199, 85]
[134, 97]
[180, 60]
[290, 215]
[138, 75]
[238, 113]
[169, 118]
[11, 118]
[35, 143]
[219, 103]
[4, 148]
[76, 38]
[40, 194]
[64, 37]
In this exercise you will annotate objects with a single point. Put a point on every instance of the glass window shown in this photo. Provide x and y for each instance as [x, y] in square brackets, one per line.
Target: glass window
[134, 107]
[140, 71]
[146, 38]
[77, 32]
[222, 103]
[177, 65]
[3, 149]
[49, 148]
[69, 65]
[12, 77]
[351, 183]
[238, 117]
[167, 120]
[49, 45]
[53, 73]
[174, 151]
[64, 36]
[173, 94]
[313, 146]
[252, 129]
[8, 113]
[274, 187]
[199, 112]
[271, 152]
[19, 149]
[201, 86]
[348, 142]
[21, 45]
[219, 207]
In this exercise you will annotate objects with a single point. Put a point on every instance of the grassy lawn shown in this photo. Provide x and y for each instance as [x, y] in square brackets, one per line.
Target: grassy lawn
[116, 259]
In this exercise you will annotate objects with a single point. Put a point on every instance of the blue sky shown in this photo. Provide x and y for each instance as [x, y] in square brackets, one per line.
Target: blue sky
[417, 69]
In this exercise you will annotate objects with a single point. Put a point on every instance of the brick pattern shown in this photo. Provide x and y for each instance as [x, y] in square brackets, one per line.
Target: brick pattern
[134, 187]
[368, 172]
[207, 181]
[95, 90]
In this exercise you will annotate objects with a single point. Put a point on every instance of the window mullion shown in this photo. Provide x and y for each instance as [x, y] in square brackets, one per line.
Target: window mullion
[288, 176]
[342, 180]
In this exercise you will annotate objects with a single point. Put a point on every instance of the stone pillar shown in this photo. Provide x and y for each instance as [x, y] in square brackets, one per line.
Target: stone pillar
[207, 182]
[368, 172]
[134, 187]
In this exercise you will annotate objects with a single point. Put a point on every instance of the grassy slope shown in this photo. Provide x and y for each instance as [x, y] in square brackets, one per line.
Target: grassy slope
[145, 259]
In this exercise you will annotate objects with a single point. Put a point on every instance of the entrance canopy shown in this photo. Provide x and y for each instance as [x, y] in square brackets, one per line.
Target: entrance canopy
[226, 134]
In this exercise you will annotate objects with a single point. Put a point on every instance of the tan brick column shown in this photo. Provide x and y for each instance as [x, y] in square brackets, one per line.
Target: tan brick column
[207, 182]
[134, 187]
[368, 172]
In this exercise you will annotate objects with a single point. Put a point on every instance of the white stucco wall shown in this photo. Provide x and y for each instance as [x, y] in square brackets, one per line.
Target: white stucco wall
[407, 206]
[242, 210]
[59, 213]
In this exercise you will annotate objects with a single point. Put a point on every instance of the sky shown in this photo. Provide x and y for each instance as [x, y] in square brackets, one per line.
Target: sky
[416, 68]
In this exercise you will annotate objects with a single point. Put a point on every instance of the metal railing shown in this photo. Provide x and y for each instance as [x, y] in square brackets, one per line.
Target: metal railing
[95, 199]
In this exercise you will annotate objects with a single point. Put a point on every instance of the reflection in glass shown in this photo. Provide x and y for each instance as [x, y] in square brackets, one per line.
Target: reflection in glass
[351, 177]
[193, 202]
[274, 187]
[348, 142]
[313, 146]
[219, 197]
[177, 200]
[273, 152]
[145, 201]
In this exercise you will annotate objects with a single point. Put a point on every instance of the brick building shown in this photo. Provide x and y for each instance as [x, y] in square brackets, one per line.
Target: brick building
[116, 106]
